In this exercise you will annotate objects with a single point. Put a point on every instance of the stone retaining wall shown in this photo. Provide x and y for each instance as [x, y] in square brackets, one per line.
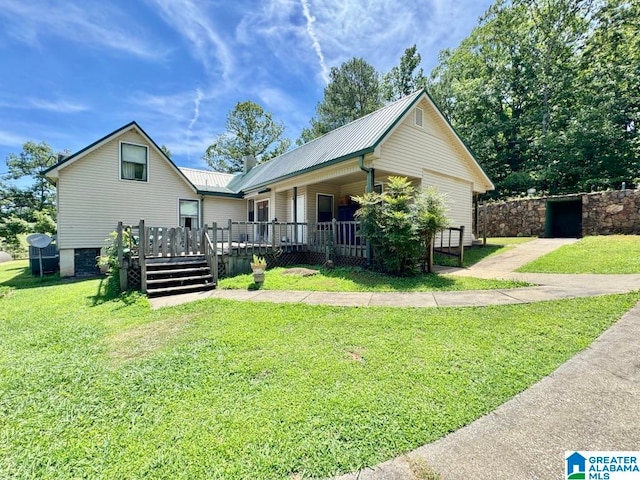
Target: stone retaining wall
[603, 213]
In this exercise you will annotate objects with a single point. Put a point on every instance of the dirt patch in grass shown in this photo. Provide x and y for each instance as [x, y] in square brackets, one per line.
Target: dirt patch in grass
[355, 354]
[143, 340]
[300, 271]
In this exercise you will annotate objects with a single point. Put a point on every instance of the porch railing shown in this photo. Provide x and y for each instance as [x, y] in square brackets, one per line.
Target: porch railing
[239, 238]
[450, 241]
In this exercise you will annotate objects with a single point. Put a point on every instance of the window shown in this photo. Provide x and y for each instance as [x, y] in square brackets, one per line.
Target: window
[325, 208]
[133, 162]
[418, 118]
[189, 213]
[377, 188]
[251, 210]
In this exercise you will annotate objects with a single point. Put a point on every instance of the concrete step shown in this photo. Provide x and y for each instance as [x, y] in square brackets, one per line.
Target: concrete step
[170, 281]
[166, 291]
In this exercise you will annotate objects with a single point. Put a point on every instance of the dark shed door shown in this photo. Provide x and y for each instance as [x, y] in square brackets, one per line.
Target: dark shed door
[564, 218]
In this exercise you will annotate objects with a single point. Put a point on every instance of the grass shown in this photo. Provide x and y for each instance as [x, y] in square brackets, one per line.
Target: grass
[97, 385]
[603, 254]
[472, 255]
[345, 279]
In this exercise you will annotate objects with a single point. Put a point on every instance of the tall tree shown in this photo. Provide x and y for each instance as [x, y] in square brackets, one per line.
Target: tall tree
[30, 207]
[606, 131]
[353, 92]
[251, 131]
[510, 89]
[29, 164]
[404, 79]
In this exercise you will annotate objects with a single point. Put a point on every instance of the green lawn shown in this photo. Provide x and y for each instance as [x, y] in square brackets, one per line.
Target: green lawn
[361, 280]
[472, 255]
[101, 387]
[603, 254]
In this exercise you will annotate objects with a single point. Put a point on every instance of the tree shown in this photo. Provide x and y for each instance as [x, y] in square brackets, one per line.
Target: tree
[605, 133]
[511, 90]
[28, 208]
[251, 131]
[404, 79]
[165, 150]
[399, 224]
[30, 163]
[353, 92]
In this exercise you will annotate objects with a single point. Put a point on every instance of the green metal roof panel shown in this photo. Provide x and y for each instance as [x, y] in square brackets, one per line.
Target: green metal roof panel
[345, 142]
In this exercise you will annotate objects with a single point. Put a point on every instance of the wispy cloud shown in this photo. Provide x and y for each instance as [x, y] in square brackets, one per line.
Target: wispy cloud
[314, 39]
[10, 139]
[60, 106]
[197, 26]
[100, 25]
[196, 108]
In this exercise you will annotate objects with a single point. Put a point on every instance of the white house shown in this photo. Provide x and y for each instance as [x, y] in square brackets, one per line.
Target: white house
[124, 176]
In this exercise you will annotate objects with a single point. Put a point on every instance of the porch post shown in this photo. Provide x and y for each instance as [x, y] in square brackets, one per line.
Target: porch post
[142, 253]
[371, 173]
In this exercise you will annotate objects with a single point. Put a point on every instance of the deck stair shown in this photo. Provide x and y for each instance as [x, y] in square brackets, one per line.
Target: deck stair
[176, 275]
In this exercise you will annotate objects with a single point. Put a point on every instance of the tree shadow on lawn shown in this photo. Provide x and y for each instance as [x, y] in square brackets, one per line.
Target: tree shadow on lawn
[472, 255]
[23, 279]
[108, 287]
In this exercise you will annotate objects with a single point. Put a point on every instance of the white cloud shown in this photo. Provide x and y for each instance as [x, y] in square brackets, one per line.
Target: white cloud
[10, 139]
[97, 25]
[196, 108]
[197, 26]
[60, 106]
[314, 39]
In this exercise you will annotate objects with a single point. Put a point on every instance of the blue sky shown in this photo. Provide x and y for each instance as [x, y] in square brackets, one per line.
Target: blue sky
[75, 70]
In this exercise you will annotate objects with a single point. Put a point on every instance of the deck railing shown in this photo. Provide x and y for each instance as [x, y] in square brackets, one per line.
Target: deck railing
[332, 238]
[450, 241]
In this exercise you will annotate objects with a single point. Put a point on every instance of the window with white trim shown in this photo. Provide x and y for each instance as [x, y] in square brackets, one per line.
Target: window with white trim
[418, 117]
[325, 208]
[134, 162]
[189, 213]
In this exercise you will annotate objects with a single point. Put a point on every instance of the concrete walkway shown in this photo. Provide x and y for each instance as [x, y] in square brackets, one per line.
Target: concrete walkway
[548, 287]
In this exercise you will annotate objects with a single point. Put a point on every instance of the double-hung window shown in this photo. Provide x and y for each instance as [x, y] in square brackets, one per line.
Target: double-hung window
[134, 162]
[189, 213]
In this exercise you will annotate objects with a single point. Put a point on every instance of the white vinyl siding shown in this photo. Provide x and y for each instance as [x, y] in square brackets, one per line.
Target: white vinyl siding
[459, 202]
[92, 198]
[220, 210]
[408, 150]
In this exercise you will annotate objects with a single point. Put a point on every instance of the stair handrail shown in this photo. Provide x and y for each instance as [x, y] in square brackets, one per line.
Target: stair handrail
[211, 252]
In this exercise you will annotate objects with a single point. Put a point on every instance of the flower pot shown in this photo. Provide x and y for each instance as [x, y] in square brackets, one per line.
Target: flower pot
[258, 272]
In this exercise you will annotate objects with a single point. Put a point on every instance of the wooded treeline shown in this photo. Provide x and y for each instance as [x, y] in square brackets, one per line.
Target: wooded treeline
[546, 93]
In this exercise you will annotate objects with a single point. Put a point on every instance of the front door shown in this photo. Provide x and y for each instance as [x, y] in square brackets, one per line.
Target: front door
[262, 216]
[300, 218]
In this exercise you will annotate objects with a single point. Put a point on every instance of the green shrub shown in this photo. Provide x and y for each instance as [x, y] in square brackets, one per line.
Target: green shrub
[399, 224]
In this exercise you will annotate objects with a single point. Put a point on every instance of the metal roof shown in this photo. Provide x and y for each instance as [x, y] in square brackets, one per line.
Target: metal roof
[208, 181]
[356, 138]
